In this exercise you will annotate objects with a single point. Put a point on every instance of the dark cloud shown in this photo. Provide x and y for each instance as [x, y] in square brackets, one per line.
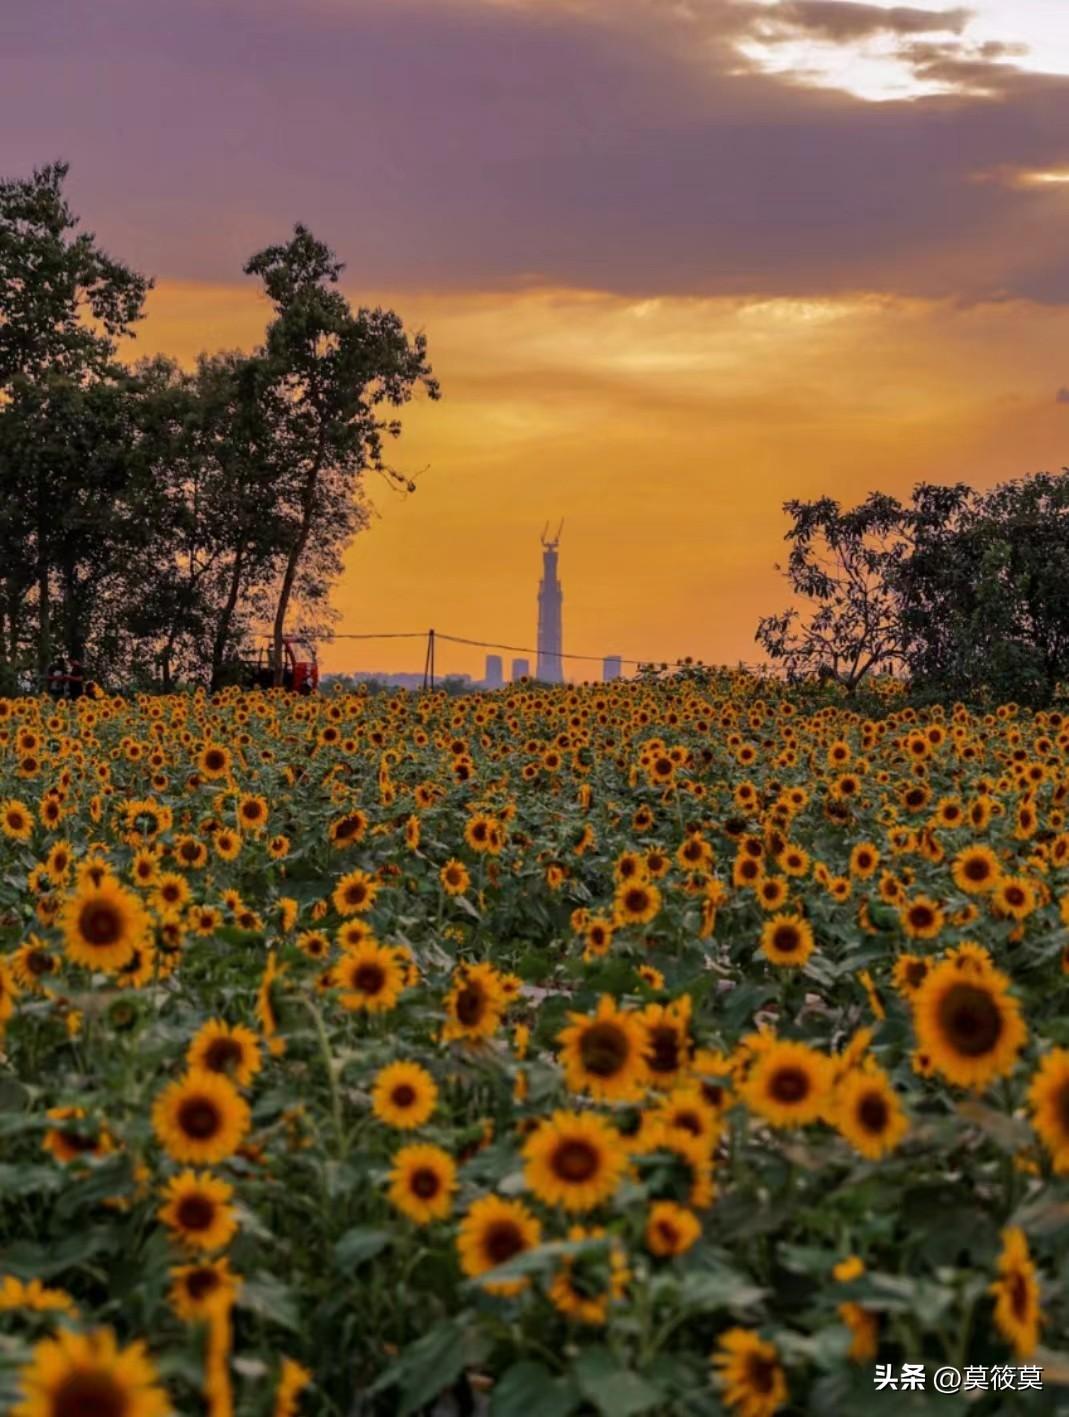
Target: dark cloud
[451, 144]
[1062, 396]
[841, 20]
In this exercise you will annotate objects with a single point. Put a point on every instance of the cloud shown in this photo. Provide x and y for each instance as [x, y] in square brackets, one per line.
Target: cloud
[841, 20]
[446, 145]
[1062, 396]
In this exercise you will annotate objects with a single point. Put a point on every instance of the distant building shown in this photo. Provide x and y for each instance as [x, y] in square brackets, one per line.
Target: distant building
[550, 667]
[612, 666]
[494, 677]
[521, 669]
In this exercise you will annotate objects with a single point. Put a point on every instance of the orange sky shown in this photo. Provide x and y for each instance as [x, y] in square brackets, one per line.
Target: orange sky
[667, 432]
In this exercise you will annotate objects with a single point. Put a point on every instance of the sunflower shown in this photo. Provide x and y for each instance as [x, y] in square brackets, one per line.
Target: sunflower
[422, 1183]
[867, 1112]
[686, 1110]
[475, 1003]
[668, 1045]
[587, 1284]
[203, 1290]
[575, 1160]
[787, 1084]
[862, 1323]
[72, 1143]
[1048, 1096]
[921, 917]
[34, 1297]
[102, 925]
[252, 812]
[975, 869]
[371, 977]
[197, 1210]
[909, 973]
[355, 893]
[671, 1229]
[213, 761]
[787, 940]
[597, 935]
[1018, 1316]
[226, 844]
[220, 1047]
[403, 1095]
[968, 1024]
[749, 1373]
[200, 1118]
[348, 830]
[454, 877]
[314, 943]
[89, 1375]
[1014, 896]
[32, 964]
[636, 903]
[16, 820]
[493, 1232]
[293, 1378]
[604, 1053]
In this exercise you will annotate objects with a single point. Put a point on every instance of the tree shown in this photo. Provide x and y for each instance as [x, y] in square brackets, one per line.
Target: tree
[329, 372]
[845, 563]
[63, 305]
[985, 588]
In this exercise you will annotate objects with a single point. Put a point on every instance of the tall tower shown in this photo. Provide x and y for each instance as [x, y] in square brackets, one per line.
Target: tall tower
[550, 599]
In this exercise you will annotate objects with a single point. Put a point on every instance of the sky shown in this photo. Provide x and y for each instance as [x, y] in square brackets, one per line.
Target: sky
[677, 261]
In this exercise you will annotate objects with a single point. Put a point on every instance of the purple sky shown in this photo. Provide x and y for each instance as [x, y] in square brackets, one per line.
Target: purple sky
[451, 145]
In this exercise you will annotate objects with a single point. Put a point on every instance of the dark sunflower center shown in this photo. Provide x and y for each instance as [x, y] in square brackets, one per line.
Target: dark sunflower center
[199, 1118]
[403, 1095]
[761, 1373]
[88, 1394]
[575, 1160]
[915, 973]
[78, 1141]
[223, 1053]
[921, 917]
[40, 962]
[202, 1282]
[786, 939]
[970, 1020]
[470, 1005]
[873, 1113]
[636, 901]
[1061, 1107]
[100, 924]
[977, 869]
[1018, 1296]
[604, 1049]
[195, 1212]
[789, 1085]
[668, 1233]
[425, 1183]
[369, 978]
[502, 1241]
[664, 1049]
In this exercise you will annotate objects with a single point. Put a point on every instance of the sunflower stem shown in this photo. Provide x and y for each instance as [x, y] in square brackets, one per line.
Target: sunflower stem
[332, 1078]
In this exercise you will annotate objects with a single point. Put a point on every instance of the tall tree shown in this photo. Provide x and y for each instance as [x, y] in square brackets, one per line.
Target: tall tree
[330, 372]
[843, 562]
[63, 305]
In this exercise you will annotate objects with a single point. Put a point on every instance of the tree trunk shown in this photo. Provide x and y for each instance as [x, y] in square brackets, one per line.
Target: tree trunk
[222, 630]
[293, 561]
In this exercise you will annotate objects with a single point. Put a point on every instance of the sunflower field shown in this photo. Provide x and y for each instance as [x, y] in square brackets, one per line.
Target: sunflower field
[682, 1046]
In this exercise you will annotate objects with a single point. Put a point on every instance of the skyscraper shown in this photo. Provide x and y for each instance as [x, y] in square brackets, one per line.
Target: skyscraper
[493, 678]
[612, 666]
[521, 668]
[550, 598]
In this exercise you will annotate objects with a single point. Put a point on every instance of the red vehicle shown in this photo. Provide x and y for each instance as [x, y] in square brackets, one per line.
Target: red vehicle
[300, 669]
